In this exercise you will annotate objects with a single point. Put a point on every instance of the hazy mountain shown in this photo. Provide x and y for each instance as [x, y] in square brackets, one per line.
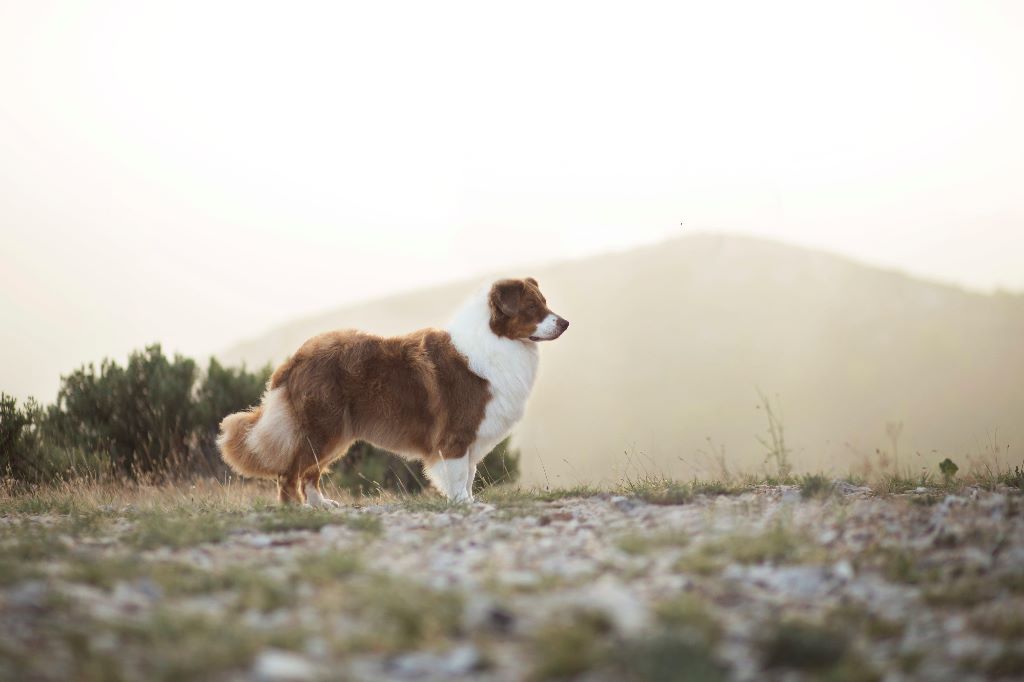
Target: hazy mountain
[669, 345]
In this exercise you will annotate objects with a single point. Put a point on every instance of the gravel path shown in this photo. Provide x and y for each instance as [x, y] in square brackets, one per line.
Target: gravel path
[755, 586]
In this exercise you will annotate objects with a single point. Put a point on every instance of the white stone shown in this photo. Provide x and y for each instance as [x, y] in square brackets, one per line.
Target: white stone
[274, 665]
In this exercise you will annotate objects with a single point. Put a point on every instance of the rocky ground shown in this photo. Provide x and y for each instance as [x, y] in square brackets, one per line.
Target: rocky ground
[660, 582]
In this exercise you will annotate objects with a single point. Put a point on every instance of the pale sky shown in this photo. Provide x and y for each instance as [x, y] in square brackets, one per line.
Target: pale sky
[196, 173]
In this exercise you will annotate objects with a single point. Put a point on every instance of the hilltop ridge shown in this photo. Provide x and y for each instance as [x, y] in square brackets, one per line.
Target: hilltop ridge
[671, 343]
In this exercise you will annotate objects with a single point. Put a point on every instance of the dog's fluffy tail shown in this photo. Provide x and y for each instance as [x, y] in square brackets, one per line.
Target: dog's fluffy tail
[260, 442]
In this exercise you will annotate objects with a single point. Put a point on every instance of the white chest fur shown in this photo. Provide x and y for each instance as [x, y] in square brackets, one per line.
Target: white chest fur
[509, 366]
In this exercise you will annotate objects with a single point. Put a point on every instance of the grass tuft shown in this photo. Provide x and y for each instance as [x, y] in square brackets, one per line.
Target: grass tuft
[570, 646]
[637, 544]
[666, 657]
[176, 530]
[778, 544]
[804, 646]
[687, 616]
[815, 486]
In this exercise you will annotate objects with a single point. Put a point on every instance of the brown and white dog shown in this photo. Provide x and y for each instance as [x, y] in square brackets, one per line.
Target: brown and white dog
[446, 397]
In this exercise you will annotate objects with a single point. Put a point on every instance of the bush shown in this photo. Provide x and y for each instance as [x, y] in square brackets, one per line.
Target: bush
[141, 415]
[18, 447]
[367, 469]
[153, 418]
[223, 390]
[158, 417]
[27, 454]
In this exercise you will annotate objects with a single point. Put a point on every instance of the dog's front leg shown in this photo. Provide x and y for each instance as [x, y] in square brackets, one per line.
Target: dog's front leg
[452, 476]
[470, 480]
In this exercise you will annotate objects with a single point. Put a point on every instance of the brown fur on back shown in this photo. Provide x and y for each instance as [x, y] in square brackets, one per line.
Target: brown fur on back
[412, 394]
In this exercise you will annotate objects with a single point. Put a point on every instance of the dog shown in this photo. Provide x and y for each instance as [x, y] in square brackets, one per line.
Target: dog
[443, 396]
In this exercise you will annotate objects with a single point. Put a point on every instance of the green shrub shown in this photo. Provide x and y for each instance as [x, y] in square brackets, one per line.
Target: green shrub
[158, 417]
[141, 415]
[154, 417]
[18, 445]
[222, 391]
[814, 486]
[804, 646]
[500, 466]
[948, 469]
[1013, 479]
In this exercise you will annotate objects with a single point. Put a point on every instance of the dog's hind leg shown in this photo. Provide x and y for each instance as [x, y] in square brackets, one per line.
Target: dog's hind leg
[288, 491]
[314, 492]
[316, 462]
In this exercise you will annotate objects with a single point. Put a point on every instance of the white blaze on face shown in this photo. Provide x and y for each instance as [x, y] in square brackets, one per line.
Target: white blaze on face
[547, 329]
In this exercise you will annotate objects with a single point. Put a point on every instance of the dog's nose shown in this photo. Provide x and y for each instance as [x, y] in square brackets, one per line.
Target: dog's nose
[563, 324]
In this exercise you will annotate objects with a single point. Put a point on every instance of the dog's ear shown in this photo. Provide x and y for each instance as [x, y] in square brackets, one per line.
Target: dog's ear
[506, 295]
[532, 281]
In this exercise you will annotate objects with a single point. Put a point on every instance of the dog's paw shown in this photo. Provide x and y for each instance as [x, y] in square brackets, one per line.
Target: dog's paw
[322, 503]
[316, 500]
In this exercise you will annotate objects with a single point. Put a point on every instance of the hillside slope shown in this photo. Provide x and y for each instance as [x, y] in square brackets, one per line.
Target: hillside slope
[670, 344]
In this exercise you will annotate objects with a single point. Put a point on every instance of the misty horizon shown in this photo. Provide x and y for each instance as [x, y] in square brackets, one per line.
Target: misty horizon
[229, 350]
[200, 196]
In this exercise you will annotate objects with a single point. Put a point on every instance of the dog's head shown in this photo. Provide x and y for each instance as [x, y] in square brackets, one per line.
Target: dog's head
[519, 311]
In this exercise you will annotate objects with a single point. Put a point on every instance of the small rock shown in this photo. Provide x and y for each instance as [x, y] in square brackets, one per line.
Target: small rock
[274, 665]
[608, 596]
[148, 589]
[624, 504]
[952, 501]
[843, 570]
[317, 647]
[287, 541]
[103, 643]
[790, 581]
[31, 594]
[547, 519]
[415, 664]
[829, 536]
[136, 595]
[258, 541]
[461, 660]
[844, 487]
[458, 661]
[520, 578]
[955, 624]
[482, 613]
[847, 489]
